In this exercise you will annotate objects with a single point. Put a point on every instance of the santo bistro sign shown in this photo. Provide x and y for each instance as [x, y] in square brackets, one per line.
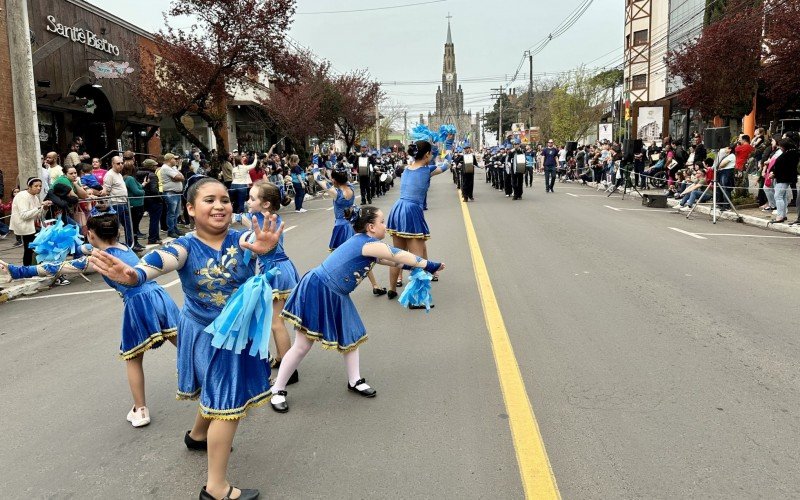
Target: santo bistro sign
[81, 35]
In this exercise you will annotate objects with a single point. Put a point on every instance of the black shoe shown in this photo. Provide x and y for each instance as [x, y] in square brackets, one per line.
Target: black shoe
[379, 291]
[295, 378]
[420, 306]
[391, 294]
[141, 235]
[367, 393]
[138, 248]
[194, 444]
[280, 407]
[244, 495]
[174, 235]
[153, 242]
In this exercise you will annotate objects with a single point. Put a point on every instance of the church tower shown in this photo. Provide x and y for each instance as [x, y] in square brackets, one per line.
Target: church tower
[450, 96]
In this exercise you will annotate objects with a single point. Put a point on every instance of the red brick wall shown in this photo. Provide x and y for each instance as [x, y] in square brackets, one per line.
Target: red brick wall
[8, 140]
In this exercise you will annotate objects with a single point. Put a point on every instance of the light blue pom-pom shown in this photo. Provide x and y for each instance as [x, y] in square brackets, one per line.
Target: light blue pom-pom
[54, 243]
[418, 290]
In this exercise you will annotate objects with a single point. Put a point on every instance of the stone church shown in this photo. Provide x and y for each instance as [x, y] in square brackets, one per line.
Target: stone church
[450, 101]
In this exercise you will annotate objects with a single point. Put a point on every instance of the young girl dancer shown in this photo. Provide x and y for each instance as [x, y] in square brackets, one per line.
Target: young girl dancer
[149, 315]
[343, 206]
[406, 222]
[265, 198]
[210, 265]
[321, 309]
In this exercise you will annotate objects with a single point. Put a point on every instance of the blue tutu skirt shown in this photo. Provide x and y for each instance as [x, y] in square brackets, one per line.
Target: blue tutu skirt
[285, 281]
[325, 316]
[407, 220]
[149, 318]
[341, 233]
[226, 383]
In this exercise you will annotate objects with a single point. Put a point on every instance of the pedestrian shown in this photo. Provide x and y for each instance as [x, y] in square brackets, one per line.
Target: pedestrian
[149, 315]
[784, 171]
[152, 201]
[171, 181]
[54, 170]
[135, 198]
[26, 212]
[550, 157]
[210, 265]
[298, 178]
[322, 311]
[406, 221]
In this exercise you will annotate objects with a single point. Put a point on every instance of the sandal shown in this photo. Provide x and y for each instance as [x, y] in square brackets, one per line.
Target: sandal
[435, 278]
[399, 282]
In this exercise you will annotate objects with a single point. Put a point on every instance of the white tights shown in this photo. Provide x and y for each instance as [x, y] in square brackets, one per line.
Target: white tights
[302, 345]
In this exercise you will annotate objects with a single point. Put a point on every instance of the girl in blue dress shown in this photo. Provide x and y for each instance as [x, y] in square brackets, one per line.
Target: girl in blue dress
[210, 264]
[149, 315]
[322, 311]
[265, 198]
[343, 206]
[406, 221]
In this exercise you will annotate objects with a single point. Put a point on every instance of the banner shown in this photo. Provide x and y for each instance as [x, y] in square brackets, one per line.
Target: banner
[649, 125]
[605, 132]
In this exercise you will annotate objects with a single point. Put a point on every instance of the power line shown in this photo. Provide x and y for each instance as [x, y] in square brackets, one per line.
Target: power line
[371, 9]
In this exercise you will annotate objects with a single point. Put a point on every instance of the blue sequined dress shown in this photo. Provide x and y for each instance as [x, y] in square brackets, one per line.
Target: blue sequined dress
[342, 229]
[406, 218]
[227, 384]
[320, 307]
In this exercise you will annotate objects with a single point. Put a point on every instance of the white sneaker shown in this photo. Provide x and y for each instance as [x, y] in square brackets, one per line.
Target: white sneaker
[131, 414]
[141, 417]
[302, 210]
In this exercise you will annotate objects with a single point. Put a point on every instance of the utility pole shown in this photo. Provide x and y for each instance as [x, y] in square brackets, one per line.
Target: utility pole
[405, 128]
[530, 90]
[481, 139]
[377, 127]
[500, 119]
[23, 91]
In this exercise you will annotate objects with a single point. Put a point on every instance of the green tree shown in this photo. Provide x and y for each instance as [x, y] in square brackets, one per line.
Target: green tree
[492, 118]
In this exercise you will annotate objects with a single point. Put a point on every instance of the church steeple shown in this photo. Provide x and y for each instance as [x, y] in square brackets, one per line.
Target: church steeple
[449, 37]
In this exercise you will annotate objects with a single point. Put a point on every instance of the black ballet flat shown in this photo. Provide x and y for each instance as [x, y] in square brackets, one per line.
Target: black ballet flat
[244, 495]
[435, 278]
[194, 444]
[420, 306]
[295, 378]
[367, 393]
[391, 294]
[280, 407]
[379, 291]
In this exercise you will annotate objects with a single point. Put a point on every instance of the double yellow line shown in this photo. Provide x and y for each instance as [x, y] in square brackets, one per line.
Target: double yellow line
[535, 471]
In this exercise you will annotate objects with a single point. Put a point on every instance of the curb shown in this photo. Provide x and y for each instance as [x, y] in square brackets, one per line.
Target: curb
[746, 219]
[29, 286]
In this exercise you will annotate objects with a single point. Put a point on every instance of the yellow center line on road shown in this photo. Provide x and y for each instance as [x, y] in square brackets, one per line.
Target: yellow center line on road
[537, 476]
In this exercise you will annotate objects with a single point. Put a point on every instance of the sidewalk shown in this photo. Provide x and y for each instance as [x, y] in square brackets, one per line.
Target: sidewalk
[750, 216]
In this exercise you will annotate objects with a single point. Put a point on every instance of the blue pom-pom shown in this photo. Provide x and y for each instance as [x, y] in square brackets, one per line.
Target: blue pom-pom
[55, 242]
[418, 290]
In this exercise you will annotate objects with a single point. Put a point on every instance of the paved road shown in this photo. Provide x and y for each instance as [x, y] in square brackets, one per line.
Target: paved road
[658, 364]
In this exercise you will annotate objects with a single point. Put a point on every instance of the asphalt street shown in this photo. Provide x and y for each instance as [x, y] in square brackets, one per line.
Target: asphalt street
[659, 364]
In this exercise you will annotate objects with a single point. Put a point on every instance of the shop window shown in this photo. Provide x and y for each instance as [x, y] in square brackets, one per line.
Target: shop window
[640, 37]
[639, 82]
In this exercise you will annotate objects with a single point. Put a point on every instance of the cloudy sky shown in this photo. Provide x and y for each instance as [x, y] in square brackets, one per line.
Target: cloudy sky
[406, 44]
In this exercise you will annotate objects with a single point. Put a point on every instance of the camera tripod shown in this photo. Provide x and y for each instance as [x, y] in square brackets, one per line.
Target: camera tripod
[623, 180]
[713, 185]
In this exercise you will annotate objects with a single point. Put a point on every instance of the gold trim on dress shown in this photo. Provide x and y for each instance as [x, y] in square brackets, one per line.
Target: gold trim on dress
[235, 413]
[413, 236]
[154, 338]
[317, 337]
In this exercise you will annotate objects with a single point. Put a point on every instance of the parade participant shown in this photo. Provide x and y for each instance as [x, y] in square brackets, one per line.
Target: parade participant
[516, 178]
[458, 161]
[364, 178]
[209, 262]
[406, 222]
[321, 309]
[343, 211]
[264, 198]
[468, 179]
[149, 315]
[550, 156]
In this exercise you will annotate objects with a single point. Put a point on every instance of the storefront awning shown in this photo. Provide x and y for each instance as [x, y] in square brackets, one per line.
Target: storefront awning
[60, 102]
[139, 118]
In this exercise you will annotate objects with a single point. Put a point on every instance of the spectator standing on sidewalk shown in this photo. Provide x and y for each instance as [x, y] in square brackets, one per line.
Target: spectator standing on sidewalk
[152, 201]
[54, 170]
[784, 172]
[114, 187]
[135, 199]
[26, 210]
[172, 186]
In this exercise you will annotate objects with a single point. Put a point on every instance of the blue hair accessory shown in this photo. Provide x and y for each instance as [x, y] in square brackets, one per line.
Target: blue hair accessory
[96, 213]
[418, 290]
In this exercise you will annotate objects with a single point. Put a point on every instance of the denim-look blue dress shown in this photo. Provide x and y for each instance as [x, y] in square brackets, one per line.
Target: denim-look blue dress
[342, 229]
[406, 218]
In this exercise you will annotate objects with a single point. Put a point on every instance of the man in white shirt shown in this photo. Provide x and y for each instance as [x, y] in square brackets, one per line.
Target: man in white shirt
[114, 186]
[172, 182]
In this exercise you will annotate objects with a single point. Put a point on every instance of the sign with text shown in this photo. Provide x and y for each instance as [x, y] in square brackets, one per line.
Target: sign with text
[81, 35]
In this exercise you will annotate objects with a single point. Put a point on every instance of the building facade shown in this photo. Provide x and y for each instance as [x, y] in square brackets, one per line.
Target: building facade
[450, 100]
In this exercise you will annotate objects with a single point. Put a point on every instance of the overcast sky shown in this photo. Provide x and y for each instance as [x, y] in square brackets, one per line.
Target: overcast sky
[407, 44]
